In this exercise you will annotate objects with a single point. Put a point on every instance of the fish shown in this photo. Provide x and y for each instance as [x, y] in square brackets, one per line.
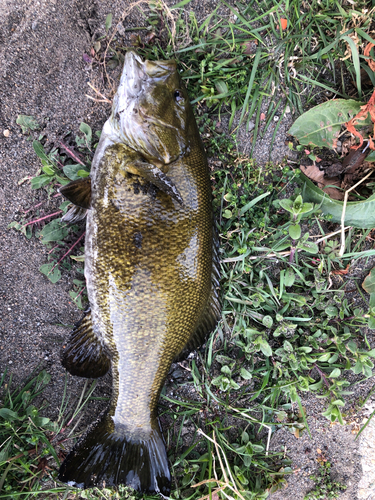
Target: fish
[151, 268]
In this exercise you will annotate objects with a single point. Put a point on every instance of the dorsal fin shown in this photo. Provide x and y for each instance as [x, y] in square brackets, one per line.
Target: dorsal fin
[78, 192]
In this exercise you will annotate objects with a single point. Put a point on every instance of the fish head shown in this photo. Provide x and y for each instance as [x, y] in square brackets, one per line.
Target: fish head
[151, 109]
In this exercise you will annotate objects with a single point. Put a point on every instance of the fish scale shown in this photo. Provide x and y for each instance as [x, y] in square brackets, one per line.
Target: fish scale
[151, 273]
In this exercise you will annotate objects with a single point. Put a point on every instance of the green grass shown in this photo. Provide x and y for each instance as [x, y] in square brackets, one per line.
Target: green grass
[287, 326]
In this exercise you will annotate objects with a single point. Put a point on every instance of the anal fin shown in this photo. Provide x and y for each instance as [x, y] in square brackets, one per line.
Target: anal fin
[84, 356]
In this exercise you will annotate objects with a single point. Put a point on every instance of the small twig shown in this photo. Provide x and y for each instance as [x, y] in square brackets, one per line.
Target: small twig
[99, 93]
[322, 374]
[70, 249]
[71, 154]
[342, 247]
[42, 218]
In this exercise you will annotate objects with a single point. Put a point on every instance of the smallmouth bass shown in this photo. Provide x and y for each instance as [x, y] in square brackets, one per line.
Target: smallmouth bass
[151, 272]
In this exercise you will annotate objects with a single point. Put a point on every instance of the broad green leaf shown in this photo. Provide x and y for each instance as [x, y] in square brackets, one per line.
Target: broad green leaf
[86, 129]
[27, 123]
[54, 231]
[331, 311]
[352, 346]
[265, 348]
[180, 4]
[9, 414]
[108, 22]
[54, 275]
[336, 372]
[267, 321]
[308, 246]
[324, 357]
[369, 282]
[289, 277]
[73, 171]
[39, 150]
[286, 204]
[245, 374]
[358, 213]
[221, 87]
[320, 126]
[48, 170]
[40, 181]
[295, 231]
[83, 173]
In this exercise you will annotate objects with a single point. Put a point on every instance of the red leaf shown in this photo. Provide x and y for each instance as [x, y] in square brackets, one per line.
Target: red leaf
[368, 108]
[284, 23]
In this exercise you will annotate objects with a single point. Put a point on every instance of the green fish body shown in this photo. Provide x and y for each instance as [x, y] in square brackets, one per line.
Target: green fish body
[151, 272]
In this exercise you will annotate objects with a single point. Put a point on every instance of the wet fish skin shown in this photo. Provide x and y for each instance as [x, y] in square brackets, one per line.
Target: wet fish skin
[150, 270]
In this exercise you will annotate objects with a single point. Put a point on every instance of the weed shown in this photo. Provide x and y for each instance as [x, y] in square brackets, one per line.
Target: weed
[325, 487]
[29, 442]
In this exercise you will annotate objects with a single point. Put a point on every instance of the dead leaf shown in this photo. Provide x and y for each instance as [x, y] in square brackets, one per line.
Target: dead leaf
[284, 23]
[347, 144]
[250, 47]
[368, 108]
[366, 53]
[324, 183]
[341, 271]
[354, 160]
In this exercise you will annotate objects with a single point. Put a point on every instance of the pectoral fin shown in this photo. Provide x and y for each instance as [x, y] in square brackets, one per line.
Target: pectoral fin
[162, 181]
[78, 192]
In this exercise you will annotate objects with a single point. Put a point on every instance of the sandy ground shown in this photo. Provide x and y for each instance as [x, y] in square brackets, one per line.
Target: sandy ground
[43, 74]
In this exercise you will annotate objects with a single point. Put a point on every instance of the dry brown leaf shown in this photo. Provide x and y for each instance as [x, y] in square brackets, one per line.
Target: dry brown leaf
[316, 175]
[368, 108]
[341, 271]
[366, 53]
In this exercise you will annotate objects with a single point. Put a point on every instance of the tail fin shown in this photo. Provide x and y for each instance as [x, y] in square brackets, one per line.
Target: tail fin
[107, 456]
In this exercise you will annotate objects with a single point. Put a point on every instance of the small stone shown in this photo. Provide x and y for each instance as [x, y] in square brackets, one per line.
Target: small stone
[6, 133]
[251, 126]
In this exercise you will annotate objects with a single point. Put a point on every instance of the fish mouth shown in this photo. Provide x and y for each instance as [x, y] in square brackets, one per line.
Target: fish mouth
[136, 72]
[131, 121]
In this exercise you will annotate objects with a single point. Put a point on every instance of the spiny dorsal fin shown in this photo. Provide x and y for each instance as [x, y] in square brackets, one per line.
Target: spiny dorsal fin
[78, 192]
[84, 355]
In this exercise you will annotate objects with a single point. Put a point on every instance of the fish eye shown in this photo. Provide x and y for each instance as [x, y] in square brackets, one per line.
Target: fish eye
[178, 95]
